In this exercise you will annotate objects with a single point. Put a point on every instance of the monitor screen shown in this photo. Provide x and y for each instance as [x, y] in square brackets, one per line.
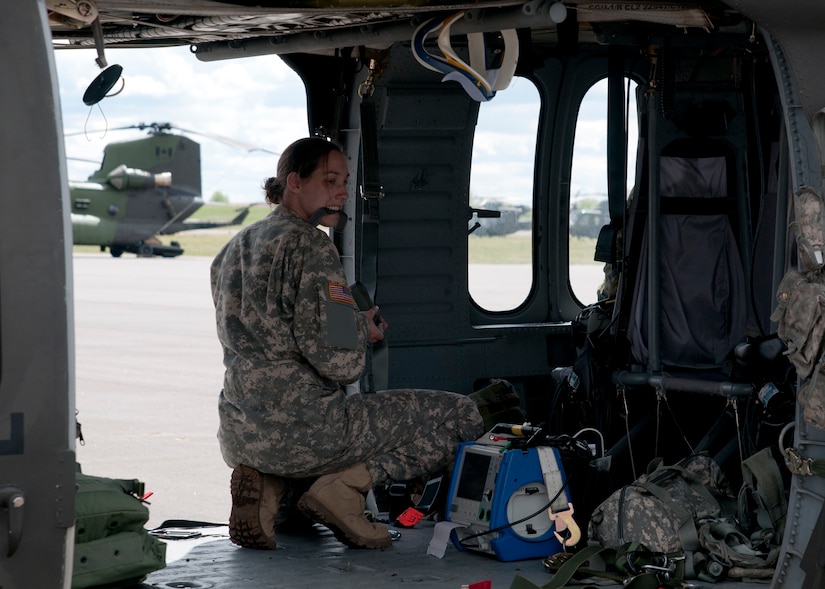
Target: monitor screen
[473, 476]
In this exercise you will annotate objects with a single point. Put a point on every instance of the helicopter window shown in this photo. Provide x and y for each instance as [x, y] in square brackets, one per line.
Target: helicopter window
[500, 232]
[588, 186]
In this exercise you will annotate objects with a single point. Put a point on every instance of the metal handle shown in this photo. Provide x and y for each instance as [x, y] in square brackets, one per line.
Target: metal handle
[12, 501]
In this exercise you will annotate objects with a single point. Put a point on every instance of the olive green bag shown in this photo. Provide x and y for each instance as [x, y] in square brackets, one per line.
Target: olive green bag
[112, 546]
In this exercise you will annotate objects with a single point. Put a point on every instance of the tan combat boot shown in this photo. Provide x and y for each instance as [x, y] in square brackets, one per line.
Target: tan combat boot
[256, 498]
[335, 500]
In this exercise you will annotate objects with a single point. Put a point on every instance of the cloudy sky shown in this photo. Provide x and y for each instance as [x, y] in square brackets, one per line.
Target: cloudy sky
[258, 101]
[261, 102]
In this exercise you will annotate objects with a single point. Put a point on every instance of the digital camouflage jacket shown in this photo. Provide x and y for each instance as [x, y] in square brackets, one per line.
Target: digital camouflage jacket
[291, 336]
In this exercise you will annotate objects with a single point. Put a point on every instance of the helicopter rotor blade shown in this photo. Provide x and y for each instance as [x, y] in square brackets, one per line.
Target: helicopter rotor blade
[228, 141]
[82, 159]
[164, 127]
[151, 127]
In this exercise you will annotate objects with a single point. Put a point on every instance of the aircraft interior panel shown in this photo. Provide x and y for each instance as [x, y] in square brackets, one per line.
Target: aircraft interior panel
[424, 175]
[424, 152]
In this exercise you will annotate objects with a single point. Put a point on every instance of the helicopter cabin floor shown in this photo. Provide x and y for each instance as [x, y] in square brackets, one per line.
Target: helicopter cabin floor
[315, 559]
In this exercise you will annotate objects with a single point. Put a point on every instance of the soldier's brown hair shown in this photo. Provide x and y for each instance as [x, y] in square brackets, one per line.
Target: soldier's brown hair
[303, 157]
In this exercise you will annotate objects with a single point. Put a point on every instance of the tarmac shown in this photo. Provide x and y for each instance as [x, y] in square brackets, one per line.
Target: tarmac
[148, 372]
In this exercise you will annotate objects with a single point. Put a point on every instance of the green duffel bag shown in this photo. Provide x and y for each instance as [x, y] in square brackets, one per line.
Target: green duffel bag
[122, 559]
[112, 546]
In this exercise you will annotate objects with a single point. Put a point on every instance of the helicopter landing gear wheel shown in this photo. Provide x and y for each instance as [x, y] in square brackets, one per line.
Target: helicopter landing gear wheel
[115, 251]
[145, 250]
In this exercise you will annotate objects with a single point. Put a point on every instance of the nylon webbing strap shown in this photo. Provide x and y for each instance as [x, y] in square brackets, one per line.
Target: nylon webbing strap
[617, 139]
[564, 573]
[371, 192]
[571, 566]
[607, 244]
[372, 188]
[625, 565]
[131, 486]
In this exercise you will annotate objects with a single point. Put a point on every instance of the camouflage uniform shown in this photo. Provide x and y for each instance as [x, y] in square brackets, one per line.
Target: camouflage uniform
[291, 335]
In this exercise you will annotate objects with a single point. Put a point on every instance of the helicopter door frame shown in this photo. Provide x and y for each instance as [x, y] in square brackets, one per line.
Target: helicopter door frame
[37, 459]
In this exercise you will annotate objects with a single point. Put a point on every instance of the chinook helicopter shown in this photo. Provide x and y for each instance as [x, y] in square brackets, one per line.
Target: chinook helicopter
[144, 188]
[705, 338]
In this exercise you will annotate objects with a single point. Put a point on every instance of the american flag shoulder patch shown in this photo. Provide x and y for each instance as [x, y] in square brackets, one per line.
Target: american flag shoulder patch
[340, 293]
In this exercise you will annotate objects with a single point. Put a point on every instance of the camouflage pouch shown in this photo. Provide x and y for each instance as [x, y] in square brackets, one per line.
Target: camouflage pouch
[801, 326]
[810, 239]
[811, 398]
[801, 318]
[663, 508]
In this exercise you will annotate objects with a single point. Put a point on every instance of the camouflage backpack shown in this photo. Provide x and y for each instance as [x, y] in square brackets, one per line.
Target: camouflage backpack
[686, 510]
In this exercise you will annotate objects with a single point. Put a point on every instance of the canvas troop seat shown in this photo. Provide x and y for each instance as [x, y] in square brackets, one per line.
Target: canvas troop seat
[689, 305]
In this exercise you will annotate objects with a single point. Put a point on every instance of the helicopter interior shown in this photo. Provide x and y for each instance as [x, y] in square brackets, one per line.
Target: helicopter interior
[680, 353]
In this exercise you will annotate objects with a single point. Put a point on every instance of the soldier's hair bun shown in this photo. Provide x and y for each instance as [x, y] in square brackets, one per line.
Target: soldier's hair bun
[274, 190]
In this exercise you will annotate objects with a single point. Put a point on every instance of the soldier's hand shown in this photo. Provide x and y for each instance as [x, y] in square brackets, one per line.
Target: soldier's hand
[377, 324]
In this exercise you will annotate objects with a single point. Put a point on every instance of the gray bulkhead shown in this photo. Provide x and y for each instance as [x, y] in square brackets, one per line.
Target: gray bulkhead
[36, 341]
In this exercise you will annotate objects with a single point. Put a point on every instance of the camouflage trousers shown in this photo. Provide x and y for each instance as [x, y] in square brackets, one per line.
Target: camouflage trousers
[399, 434]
